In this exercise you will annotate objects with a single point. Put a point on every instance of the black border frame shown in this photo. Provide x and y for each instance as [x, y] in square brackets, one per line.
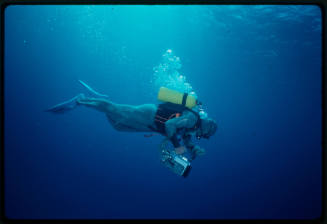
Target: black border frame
[321, 3]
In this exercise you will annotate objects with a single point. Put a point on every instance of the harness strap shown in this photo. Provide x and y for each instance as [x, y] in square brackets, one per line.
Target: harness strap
[198, 122]
[160, 121]
[184, 99]
[157, 117]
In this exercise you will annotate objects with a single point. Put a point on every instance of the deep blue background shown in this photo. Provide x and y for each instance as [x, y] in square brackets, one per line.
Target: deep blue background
[256, 68]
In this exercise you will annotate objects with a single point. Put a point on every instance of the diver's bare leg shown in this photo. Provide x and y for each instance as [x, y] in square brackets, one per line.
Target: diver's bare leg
[99, 104]
[123, 117]
[115, 113]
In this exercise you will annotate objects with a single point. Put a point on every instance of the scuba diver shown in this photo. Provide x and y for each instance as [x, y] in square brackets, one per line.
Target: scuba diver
[174, 118]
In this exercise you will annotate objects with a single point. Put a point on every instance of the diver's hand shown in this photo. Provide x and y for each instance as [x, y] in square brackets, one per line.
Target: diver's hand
[197, 151]
[180, 150]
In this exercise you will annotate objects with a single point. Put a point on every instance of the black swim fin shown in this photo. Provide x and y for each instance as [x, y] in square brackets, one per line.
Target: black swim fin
[91, 91]
[65, 106]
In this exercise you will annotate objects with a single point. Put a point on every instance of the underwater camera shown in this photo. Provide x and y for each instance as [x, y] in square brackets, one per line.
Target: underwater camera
[178, 164]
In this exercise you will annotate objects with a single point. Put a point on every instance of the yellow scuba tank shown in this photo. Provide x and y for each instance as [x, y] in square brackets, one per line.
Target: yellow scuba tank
[173, 96]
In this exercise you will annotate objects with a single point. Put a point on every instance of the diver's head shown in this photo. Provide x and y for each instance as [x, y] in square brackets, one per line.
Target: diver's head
[207, 128]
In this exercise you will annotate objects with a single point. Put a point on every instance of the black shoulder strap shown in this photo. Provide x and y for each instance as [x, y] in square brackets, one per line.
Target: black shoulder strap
[198, 121]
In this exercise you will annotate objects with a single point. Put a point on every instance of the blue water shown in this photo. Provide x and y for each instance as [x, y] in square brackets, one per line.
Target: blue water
[257, 70]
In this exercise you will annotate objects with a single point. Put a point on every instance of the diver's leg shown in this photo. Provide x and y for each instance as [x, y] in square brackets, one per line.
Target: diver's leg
[99, 104]
[132, 118]
[66, 106]
[115, 112]
[124, 117]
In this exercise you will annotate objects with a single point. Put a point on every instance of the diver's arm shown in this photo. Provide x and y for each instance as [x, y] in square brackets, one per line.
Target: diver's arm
[187, 120]
[100, 104]
[175, 141]
[188, 142]
[179, 149]
[194, 149]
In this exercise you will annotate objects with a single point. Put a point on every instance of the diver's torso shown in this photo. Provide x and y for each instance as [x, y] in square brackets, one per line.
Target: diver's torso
[169, 111]
[148, 117]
